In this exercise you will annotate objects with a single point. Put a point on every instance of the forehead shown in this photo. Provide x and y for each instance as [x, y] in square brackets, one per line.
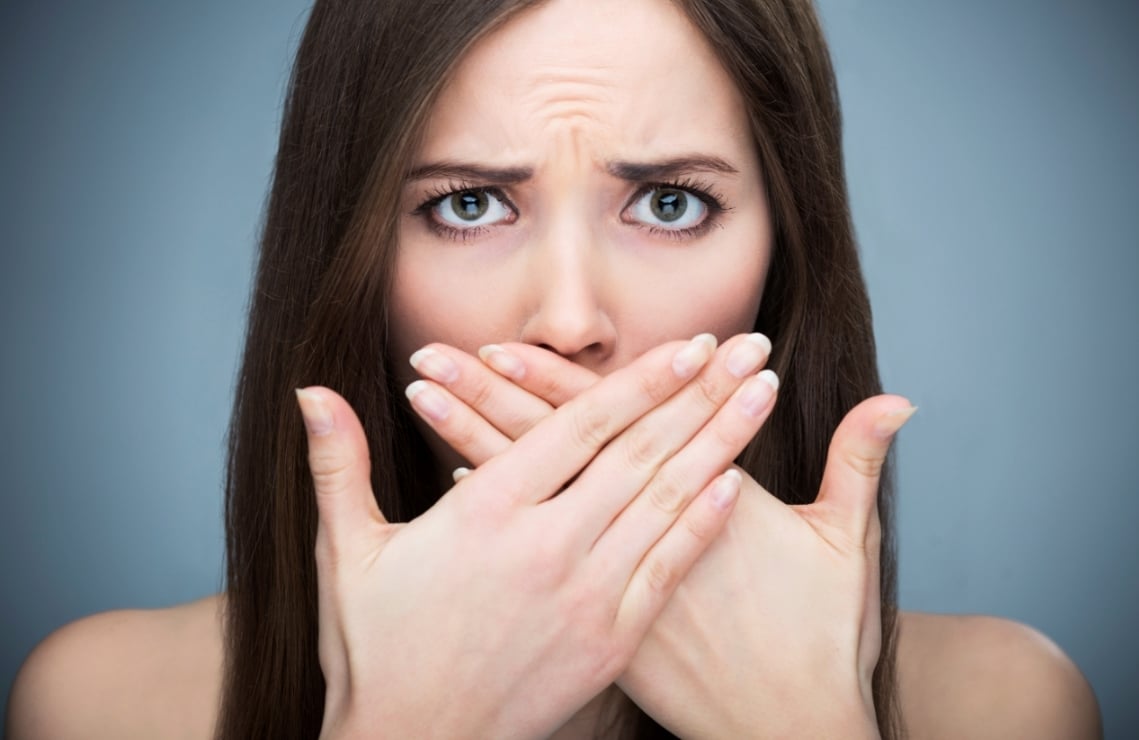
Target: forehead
[628, 78]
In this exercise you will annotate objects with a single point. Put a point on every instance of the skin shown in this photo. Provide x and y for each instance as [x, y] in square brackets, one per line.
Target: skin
[582, 265]
[573, 263]
[570, 273]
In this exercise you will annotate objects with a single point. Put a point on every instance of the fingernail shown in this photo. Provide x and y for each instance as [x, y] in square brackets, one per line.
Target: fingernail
[459, 473]
[694, 355]
[748, 355]
[888, 425]
[435, 365]
[757, 392]
[502, 361]
[317, 417]
[427, 400]
[769, 377]
[726, 488]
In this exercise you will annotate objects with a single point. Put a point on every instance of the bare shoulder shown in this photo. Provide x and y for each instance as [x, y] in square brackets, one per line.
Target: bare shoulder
[123, 674]
[986, 677]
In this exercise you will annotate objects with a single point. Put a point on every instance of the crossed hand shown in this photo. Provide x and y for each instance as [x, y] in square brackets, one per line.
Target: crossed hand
[604, 536]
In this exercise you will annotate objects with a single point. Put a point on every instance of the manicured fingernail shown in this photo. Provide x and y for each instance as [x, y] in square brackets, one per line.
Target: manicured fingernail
[888, 425]
[502, 361]
[748, 355]
[726, 488]
[435, 365]
[757, 393]
[314, 411]
[459, 473]
[694, 355]
[428, 401]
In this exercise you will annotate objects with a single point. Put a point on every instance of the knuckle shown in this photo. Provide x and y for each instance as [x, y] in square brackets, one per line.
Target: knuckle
[864, 463]
[659, 576]
[329, 471]
[667, 494]
[702, 529]
[591, 426]
[523, 424]
[655, 386]
[640, 447]
[516, 422]
[549, 387]
[479, 394]
[729, 437]
[460, 435]
[707, 392]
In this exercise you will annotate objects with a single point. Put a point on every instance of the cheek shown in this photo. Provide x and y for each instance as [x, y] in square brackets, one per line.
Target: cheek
[416, 312]
[716, 290]
[729, 304]
[435, 300]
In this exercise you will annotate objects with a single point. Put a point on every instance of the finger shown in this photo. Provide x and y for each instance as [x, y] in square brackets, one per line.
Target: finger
[545, 374]
[540, 463]
[848, 495]
[626, 467]
[507, 407]
[670, 559]
[341, 471]
[654, 511]
[468, 433]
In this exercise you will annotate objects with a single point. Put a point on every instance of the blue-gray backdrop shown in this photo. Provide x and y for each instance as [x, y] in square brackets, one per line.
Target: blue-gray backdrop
[992, 154]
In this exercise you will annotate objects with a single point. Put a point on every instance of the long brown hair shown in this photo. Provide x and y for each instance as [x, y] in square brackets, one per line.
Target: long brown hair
[364, 80]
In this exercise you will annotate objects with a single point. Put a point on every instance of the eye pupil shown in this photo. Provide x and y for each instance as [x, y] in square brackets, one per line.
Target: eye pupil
[669, 205]
[470, 205]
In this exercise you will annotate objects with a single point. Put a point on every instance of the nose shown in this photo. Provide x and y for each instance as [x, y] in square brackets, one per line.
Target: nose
[572, 299]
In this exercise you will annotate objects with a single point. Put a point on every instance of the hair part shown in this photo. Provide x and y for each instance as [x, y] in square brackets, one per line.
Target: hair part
[365, 78]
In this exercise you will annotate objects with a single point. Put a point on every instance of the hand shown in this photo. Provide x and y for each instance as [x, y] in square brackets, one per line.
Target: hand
[794, 654]
[520, 595]
[802, 581]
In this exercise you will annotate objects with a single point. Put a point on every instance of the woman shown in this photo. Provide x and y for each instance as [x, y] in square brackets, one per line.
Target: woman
[644, 176]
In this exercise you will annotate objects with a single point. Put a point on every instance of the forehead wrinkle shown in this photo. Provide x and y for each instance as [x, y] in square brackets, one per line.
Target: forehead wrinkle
[567, 94]
[544, 93]
[571, 108]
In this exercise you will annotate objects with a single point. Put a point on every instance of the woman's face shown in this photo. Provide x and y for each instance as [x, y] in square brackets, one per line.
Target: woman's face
[587, 183]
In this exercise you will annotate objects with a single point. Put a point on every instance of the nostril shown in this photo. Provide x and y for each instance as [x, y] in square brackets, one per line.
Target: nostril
[574, 354]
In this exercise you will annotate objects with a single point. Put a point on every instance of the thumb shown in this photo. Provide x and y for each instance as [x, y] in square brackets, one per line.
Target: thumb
[848, 496]
[341, 469]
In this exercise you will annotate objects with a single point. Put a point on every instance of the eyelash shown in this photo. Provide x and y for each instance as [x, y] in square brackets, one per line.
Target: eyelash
[712, 200]
[436, 196]
[704, 192]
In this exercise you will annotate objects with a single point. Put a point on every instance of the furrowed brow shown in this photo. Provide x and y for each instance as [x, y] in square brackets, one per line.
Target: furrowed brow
[470, 171]
[669, 168]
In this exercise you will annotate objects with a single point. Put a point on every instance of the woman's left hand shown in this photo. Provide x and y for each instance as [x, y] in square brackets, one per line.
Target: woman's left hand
[776, 631]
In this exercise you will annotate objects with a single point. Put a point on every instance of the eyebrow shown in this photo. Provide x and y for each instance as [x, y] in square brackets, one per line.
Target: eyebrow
[466, 171]
[630, 171]
[669, 168]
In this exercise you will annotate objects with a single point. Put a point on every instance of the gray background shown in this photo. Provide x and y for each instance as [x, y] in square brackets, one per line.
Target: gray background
[992, 158]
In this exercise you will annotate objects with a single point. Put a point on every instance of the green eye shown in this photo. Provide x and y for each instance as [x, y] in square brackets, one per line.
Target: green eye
[472, 208]
[668, 205]
[668, 209]
[470, 205]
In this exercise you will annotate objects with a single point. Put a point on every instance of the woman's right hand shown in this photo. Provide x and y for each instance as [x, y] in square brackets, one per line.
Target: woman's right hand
[527, 588]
